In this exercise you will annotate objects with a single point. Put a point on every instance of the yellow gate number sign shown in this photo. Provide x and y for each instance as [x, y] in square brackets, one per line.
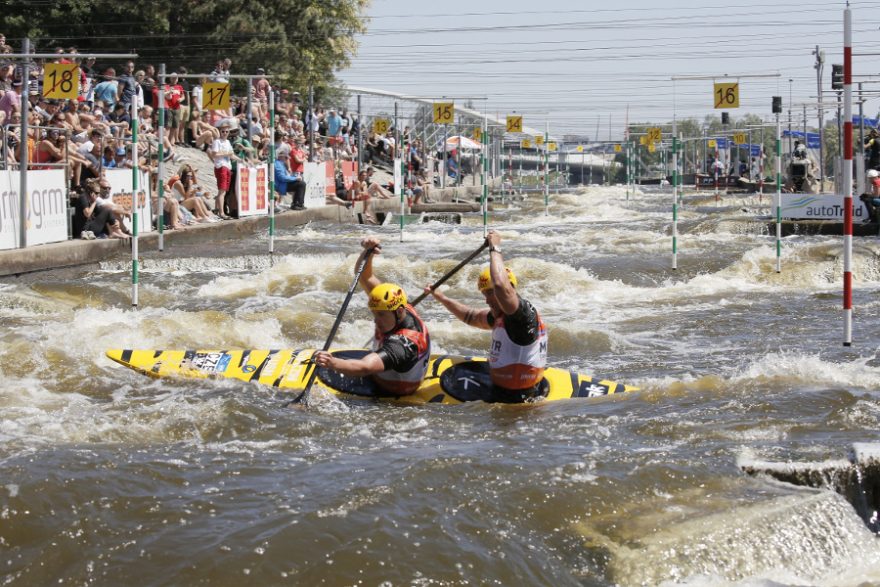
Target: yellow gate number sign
[61, 81]
[514, 124]
[539, 140]
[551, 146]
[215, 96]
[526, 144]
[643, 140]
[478, 134]
[739, 138]
[617, 148]
[444, 112]
[726, 95]
[712, 144]
[381, 126]
[655, 135]
[580, 148]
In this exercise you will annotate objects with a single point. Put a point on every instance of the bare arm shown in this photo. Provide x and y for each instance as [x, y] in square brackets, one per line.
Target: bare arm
[471, 316]
[367, 365]
[367, 280]
[504, 292]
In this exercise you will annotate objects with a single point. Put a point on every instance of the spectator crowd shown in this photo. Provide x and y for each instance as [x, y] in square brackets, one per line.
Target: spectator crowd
[94, 132]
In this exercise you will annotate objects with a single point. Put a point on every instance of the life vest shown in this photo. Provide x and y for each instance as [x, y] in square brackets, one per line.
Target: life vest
[408, 381]
[514, 366]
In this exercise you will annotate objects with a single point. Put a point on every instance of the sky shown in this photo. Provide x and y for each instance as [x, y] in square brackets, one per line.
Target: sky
[589, 67]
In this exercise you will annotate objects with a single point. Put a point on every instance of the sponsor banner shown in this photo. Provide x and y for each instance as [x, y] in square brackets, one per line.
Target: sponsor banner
[120, 191]
[46, 208]
[251, 190]
[330, 182]
[315, 176]
[349, 173]
[826, 207]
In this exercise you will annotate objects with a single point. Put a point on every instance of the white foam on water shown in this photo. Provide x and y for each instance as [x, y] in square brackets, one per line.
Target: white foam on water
[810, 537]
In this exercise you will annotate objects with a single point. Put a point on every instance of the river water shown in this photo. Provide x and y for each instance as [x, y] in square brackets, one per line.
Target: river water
[111, 478]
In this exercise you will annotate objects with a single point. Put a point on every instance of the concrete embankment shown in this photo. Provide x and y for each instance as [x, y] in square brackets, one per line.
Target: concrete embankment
[80, 252]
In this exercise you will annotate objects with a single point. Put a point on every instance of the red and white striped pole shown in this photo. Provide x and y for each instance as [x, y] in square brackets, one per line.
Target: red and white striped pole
[847, 177]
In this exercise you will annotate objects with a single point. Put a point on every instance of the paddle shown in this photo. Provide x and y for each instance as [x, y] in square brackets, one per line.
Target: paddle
[305, 392]
[452, 272]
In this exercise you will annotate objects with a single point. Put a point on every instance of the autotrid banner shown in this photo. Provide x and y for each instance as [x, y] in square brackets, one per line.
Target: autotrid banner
[46, 208]
[826, 207]
[120, 189]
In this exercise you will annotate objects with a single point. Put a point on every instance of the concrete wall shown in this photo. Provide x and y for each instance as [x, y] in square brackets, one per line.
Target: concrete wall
[80, 252]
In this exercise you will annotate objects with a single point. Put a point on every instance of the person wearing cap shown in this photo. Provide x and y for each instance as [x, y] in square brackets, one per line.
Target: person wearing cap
[401, 344]
[518, 351]
[108, 89]
[284, 179]
[121, 159]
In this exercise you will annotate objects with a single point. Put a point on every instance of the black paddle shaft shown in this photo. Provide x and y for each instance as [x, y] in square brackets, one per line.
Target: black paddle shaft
[304, 395]
[452, 272]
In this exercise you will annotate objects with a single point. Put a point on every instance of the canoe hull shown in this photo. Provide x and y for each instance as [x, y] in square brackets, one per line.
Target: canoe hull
[290, 369]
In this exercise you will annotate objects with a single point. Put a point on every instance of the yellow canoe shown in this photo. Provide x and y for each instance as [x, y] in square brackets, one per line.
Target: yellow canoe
[450, 379]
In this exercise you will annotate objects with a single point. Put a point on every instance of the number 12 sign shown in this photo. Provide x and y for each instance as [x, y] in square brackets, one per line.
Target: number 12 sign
[726, 95]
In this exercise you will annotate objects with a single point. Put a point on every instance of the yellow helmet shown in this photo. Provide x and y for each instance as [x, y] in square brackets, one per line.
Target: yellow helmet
[484, 283]
[387, 296]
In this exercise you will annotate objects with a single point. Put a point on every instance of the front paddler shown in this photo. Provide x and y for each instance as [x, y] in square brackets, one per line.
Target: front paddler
[401, 345]
[518, 353]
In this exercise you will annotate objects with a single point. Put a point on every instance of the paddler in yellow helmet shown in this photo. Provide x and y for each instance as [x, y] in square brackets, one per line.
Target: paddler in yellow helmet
[401, 345]
[518, 352]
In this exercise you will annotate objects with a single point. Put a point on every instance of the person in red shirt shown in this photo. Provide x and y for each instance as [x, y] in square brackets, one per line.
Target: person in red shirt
[297, 168]
[173, 98]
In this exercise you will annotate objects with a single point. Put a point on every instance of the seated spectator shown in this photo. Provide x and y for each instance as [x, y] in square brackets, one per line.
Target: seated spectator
[286, 180]
[190, 194]
[108, 158]
[202, 132]
[373, 187]
[98, 221]
[122, 159]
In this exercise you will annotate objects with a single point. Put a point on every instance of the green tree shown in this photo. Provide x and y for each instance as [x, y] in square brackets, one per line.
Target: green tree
[301, 42]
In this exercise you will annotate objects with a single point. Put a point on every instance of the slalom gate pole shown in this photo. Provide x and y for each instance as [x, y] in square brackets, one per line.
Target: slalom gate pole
[847, 177]
[271, 165]
[398, 171]
[546, 168]
[135, 200]
[675, 147]
[777, 204]
[161, 171]
[484, 169]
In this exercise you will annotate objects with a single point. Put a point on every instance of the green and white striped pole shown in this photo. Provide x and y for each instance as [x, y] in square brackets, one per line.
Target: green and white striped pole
[134, 204]
[398, 170]
[161, 170]
[546, 169]
[271, 171]
[778, 195]
[484, 172]
[675, 146]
